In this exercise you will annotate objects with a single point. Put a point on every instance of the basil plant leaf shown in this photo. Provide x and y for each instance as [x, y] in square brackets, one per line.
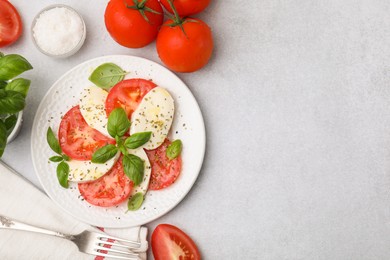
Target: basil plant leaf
[138, 139]
[3, 137]
[11, 102]
[10, 123]
[118, 123]
[56, 158]
[12, 65]
[62, 174]
[52, 141]
[135, 201]
[133, 166]
[104, 153]
[107, 75]
[174, 149]
[3, 84]
[19, 85]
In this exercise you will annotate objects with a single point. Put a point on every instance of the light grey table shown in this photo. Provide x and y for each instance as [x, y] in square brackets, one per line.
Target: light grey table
[296, 101]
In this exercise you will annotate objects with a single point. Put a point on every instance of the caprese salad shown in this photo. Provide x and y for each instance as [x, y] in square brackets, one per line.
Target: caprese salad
[114, 142]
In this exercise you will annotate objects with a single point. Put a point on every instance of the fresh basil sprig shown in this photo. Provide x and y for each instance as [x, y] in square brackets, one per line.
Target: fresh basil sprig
[19, 85]
[118, 125]
[135, 201]
[11, 101]
[107, 75]
[61, 158]
[3, 137]
[13, 65]
[174, 149]
[138, 139]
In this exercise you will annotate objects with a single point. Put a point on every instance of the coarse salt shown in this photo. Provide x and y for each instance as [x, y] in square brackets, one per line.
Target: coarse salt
[58, 31]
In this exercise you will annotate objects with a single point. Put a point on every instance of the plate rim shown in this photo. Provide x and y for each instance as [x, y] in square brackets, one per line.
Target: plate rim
[202, 139]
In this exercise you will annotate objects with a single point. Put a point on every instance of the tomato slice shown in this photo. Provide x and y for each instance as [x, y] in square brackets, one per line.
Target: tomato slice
[127, 94]
[169, 242]
[164, 171]
[111, 189]
[77, 139]
[10, 23]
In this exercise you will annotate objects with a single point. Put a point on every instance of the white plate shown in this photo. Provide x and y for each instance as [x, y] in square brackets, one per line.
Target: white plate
[188, 126]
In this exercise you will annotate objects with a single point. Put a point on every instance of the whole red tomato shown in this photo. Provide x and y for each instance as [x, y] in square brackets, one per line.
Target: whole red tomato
[186, 7]
[133, 25]
[185, 47]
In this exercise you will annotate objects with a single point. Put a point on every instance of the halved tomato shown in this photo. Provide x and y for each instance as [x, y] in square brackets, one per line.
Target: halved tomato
[77, 139]
[110, 190]
[127, 94]
[164, 170]
[169, 242]
[10, 23]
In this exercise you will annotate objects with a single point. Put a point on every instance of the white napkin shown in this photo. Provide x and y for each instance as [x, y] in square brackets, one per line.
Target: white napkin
[21, 201]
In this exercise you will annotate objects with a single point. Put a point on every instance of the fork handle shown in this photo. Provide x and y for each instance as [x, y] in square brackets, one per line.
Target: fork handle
[7, 223]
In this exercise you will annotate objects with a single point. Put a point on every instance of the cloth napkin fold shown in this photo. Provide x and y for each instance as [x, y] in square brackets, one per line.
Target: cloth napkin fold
[21, 201]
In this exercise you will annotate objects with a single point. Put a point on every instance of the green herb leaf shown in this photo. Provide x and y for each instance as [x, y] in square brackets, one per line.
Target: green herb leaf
[3, 137]
[137, 140]
[11, 102]
[12, 65]
[56, 158]
[62, 174]
[53, 142]
[107, 75]
[118, 123]
[133, 167]
[135, 201]
[10, 123]
[19, 85]
[65, 157]
[1, 55]
[3, 84]
[104, 153]
[174, 149]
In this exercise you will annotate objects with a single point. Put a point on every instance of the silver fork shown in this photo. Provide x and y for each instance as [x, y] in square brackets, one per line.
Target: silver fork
[88, 241]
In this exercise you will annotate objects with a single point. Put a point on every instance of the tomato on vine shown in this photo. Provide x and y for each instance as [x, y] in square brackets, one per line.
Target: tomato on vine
[186, 7]
[184, 44]
[133, 23]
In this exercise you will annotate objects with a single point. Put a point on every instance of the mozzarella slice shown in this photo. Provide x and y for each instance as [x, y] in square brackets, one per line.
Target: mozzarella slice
[143, 186]
[92, 107]
[84, 171]
[154, 114]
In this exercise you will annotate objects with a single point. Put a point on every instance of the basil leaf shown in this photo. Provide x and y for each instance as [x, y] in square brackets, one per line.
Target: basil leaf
[12, 65]
[11, 102]
[52, 141]
[3, 137]
[62, 174]
[107, 75]
[19, 85]
[174, 149]
[3, 84]
[118, 123]
[135, 201]
[10, 123]
[137, 140]
[56, 158]
[104, 153]
[133, 166]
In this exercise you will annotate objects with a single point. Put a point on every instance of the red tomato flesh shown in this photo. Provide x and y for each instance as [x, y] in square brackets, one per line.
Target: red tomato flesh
[164, 171]
[10, 23]
[186, 7]
[127, 94]
[111, 189]
[169, 242]
[77, 139]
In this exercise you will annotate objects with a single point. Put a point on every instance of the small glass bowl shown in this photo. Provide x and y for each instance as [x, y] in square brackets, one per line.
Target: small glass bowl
[72, 51]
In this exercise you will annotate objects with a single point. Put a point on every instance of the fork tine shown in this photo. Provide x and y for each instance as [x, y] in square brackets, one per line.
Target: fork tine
[115, 251]
[116, 244]
[138, 244]
[115, 257]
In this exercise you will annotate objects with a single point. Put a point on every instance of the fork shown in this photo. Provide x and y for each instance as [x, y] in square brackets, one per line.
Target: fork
[87, 241]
